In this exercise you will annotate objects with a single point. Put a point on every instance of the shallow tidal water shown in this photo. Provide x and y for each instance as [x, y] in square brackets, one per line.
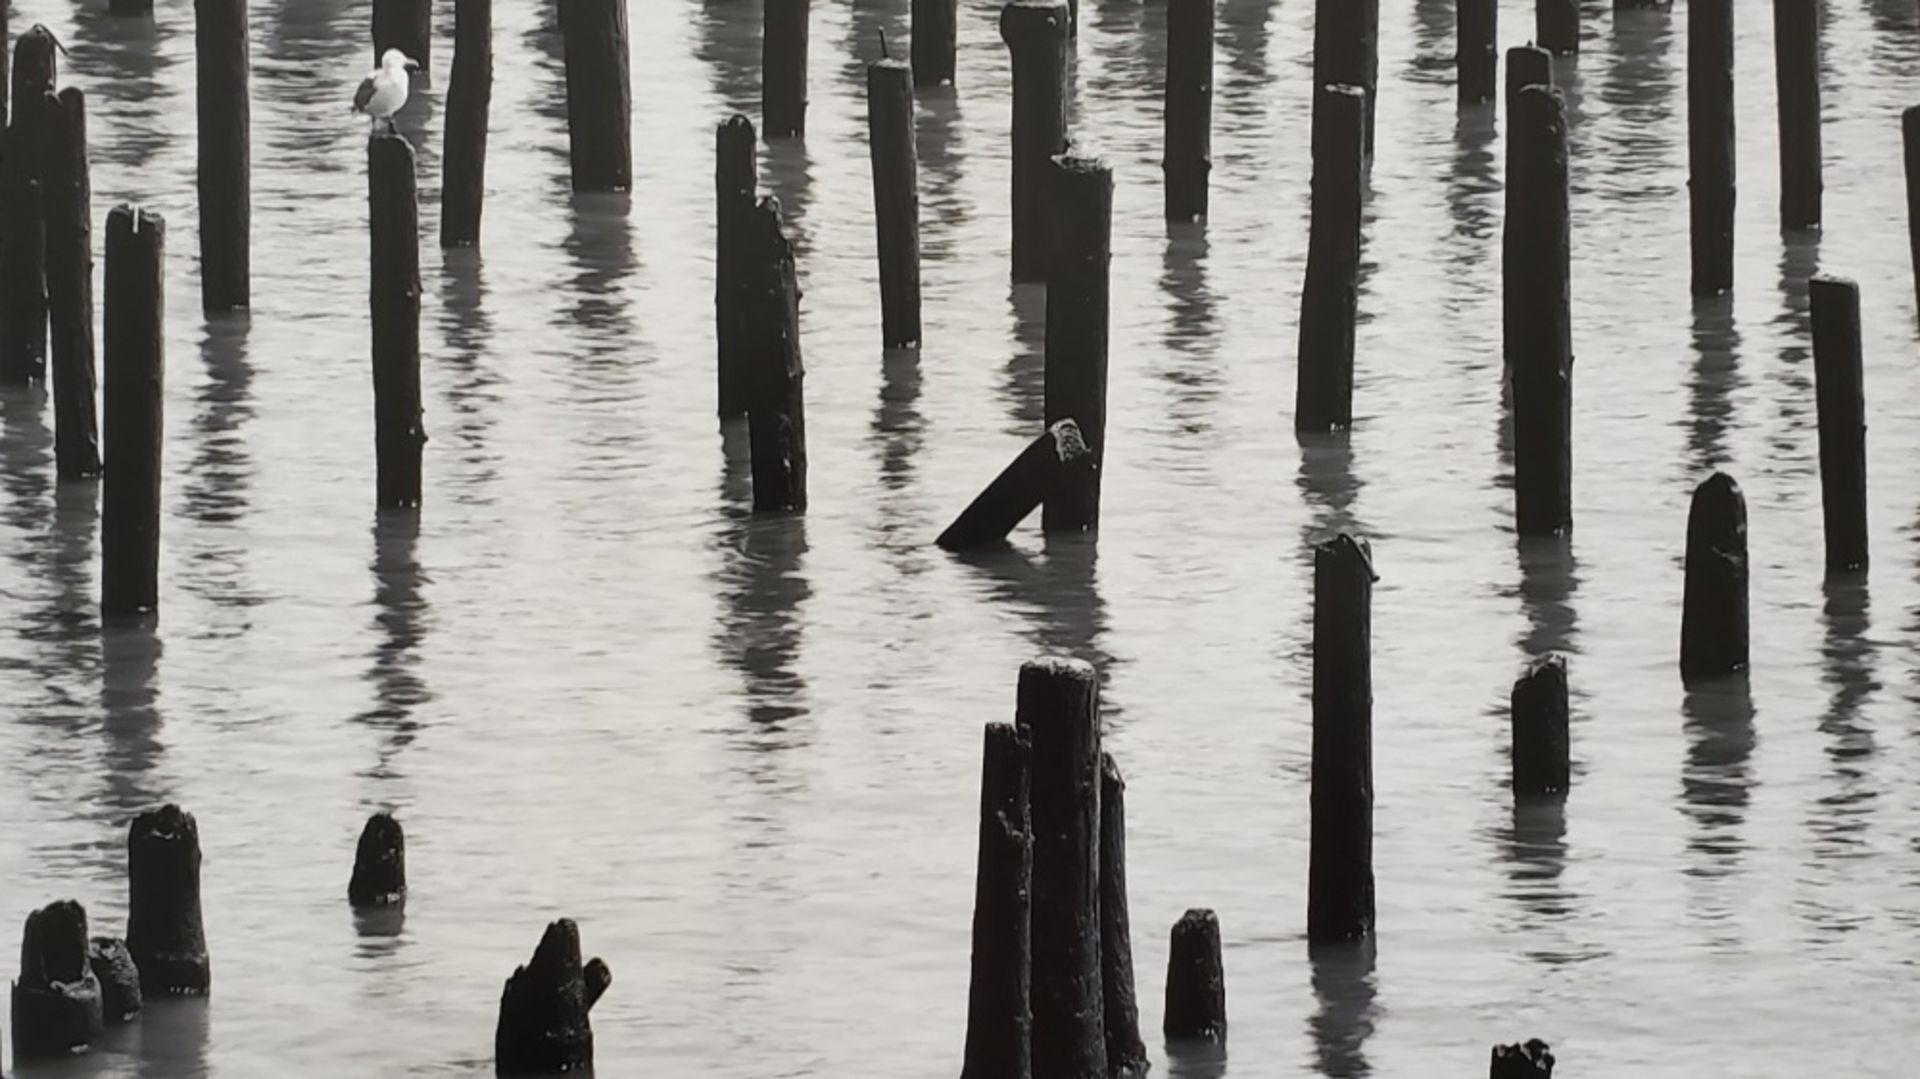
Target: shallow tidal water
[743, 754]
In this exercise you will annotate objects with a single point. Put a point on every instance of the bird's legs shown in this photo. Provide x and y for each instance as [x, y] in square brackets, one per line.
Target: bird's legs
[391, 129]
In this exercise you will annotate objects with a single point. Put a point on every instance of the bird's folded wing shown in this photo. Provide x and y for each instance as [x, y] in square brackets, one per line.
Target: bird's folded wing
[363, 95]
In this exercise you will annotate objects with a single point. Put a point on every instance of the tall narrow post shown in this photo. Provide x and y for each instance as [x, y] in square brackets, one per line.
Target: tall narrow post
[1126, 1053]
[999, 1002]
[1537, 260]
[1537, 715]
[935, 32]
[1059, 708]
[1188, 118]
[1077, 316]
[776, 403]
[134, 391]
[406, 25]
[23, 281]
[1346, 52]
[1713, 618]
[599, 94]
[1796, 54]
[1323, 398]
[164, 930]
[783, 69]
[1477, 50]
[1557, 25]
[1710, 186]
[1340, 855]
[1036, 35]
[69, 237]
[58, 1006]
[1910, 139]
[395, 230]
[735, 179]
[896, 200]
[225, 187]
[469, 101]
[1196, 981]
[1526, 66]
[1843, 419]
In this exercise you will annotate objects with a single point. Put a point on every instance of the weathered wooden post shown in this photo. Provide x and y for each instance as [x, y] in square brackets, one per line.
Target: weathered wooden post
[469, 102]
[379, 864]
[57, 1001]
[783, 69]
[1477, 50]
[1057, 465]
[5, 65]
[935, 31]
[133, 395]
[1036, 35]
[896, 199]
[1556, 25]
[1323, 398]
[1538, 717]
[1910, 138]
[1346, 52]
[1710, 156]
[1059, 709]
[999, 1002]
[1126, 1053]
[1796, 53]
[776, 401]
[1527, 65]
[1196, 981]
[544, 1026]
[68, 202]
[599, 94]
[1713, 620]
[1188, 120]
[1529, 1061]
[119, 977]
[164, 932]
[735, 179]
[23, 282]
[1536, 270]
[225, 183]
[1077, 316]
[394, 227]
[407, 25]
[1340, 856]
[1843, 419]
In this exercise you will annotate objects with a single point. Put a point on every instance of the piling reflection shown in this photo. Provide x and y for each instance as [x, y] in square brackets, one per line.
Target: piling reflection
[1191, 365]
[1716, 783]
[1716, 378]
[869, 22]
[1635, 155]
[728, 42]
[218, 481]
[786, 172]
[472, 394]
[898, 429]
[1244, 33]
[172, 1039]
[1432, 61]
[1023, 391]
[765, 589]
[1473, 203]
[1532, 844]
[1790, 444]
[1344, 990]
[1840, 817]
[1057, 593]
[1549, 577]
[401, 620]
[130, 654]
[599, 248]
[1329, 488]
[945, 208]
[124, 66]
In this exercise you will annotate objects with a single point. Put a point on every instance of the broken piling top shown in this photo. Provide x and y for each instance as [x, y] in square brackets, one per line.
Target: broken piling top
[543, 1026]
[1196, 981]
[1713, 621]
[380, 863]
[57, 1001]
[164, 930]
[1529, 1061]
[119, 978]
[54, 947]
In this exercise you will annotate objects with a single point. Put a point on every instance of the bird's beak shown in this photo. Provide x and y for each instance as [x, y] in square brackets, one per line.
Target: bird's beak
[413, 65]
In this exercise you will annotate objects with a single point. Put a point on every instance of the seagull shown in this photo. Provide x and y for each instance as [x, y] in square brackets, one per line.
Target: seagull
[382, 93]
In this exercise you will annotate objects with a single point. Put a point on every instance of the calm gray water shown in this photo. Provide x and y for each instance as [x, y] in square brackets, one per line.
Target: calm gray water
[743, 754]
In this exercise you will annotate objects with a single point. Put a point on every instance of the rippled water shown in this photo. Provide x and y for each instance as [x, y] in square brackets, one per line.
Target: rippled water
[744, 753]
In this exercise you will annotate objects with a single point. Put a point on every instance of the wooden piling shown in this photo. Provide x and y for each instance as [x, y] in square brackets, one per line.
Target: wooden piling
[469, 103]
[1910, 139]
[1340, 856]
[133, 395]
[1710, 143]
[225, 176]
[1055, 465]
[117, 7]
[776, 401]
[1796, 53]
[1477, 50]
[935, 30]
[599, 93]
[164, 932]
[1330, 301]
[1126, 1053]
[23, 283]
[1077, 324]
[1188, 112]
[1843, 419]
[999, 1003]
[5, 70]
[1346, 52]
[57, 1001]
[119, 978]
[407, 25]
[544, 1026]
[379, 864]
[783, 69]
[896, 199]
[1713, 620]
[1530, 1061]
[1196, 981]
[1536, 267]
[1556, 26]
[394, 227]
[68, 205]
[1538, 718]
[736, 178]
[1035, 32]
[1527, 65]
[1059, 709]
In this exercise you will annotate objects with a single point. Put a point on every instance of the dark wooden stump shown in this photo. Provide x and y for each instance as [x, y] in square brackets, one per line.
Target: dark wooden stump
[1188, 115]
[394, 226]
[23, 281]
[1713, 621]
[1529, 1061]
[735, 179]
[469, 103]
[543, 1026]
[1538, 715]
[57, 1005]
[999, 1001]
[896, 200]
[776, 401]
[1077, 323]
[1126, 1053]
[783, 69]
[133, 398]
[406, 25]
[225, 177]
[379, 864]
[1710, 145]
[1843, 419]
[1196, 981]
[1330, 301]
[1477, 50]
[1346, 52]
[164, 931]
[1059, 709]
[599, 94]
[1556, 25]
[935, 31]
[119, 977]
[68, 192]
[1537, 249]
[1796, 52]
[1055, 465]
[1340, 859]
[1036, 35]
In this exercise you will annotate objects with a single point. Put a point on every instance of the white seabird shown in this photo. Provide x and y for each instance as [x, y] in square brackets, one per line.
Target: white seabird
[384, 92]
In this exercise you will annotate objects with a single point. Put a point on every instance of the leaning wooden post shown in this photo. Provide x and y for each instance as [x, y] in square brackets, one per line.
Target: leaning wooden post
[1710, 154]
[58, 1004]
[1056, 465]
[1537, 715]
[469, 102]
[1126, 1053]
[1077, 315]
[1530, 1061]
[1059, 709]
[1713, 619]
[394, 225]
[23, 283]
[379, 864]
[225, 186]
[1189, 108]
[735, 179]
[1536, 270]
[1346, 52]
[599, 94]
[935, 30]
[69, 233]
[1526, 66]
[776, 401]
[1556, 25]
[896, 200]
[1796, 53]
[1196, 981]
[1843, 419]
[783, 69]
[544, 1026]
[1036, 35]
[1323, 397]
[133, 395]
[164, 930]
[1477, 50]
[1340, 855]
[406, 25]
[999, 1003]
